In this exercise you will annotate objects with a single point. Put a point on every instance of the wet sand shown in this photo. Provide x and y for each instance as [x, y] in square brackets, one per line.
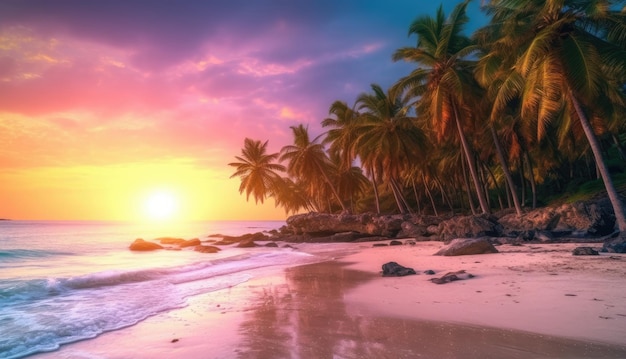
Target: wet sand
[344, 309]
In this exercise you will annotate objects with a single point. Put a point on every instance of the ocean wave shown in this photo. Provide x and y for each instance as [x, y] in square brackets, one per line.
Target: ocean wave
[42, 314]
[21, 254]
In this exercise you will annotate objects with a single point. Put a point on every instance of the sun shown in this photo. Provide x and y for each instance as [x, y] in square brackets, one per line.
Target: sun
[161, 205]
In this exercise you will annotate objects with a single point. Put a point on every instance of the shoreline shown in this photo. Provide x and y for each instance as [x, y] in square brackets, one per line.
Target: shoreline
[528, 300]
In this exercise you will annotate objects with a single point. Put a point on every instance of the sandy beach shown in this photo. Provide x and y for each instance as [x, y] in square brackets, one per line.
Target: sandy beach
[530, 301]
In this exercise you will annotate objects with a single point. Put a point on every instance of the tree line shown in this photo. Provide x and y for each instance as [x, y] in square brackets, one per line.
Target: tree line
[533, 103]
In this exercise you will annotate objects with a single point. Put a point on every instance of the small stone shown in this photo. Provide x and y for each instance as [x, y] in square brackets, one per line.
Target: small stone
[429, 272]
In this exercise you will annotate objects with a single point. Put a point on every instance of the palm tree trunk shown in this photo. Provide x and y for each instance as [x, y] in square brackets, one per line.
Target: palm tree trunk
[507, 173]
[402, 201]
[496, 185]
[395, 196]
[531, 178]
[472, 168]
[444, 194]
[618, 207]
[467, 187]
[430, 195]
[417, 198]
[332, 188]
[376, 195]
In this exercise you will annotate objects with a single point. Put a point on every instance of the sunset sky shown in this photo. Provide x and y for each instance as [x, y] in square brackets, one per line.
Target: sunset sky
[106, 104]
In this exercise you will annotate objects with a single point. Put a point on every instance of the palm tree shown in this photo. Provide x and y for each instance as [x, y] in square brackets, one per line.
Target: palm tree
[443, 83]
[308, 162]
[290, 196]
[387, 139]
[568, 54]
[257, 170]
[342, 132]
[351, 183]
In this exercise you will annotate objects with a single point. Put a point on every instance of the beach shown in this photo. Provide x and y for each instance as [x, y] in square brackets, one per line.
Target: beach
[528, 301]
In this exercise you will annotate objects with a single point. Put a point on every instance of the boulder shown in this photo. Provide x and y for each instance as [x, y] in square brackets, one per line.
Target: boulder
[325, 224]
[246, 243]
[140, 245]
[190, 243]
[594, 218]
[206, 249]
[171, 240]
[258, 236]
[585, 251]
[615, 245]
[469, 226]
[467, 246]
[393, 269]
[272, 244]
[395, 243]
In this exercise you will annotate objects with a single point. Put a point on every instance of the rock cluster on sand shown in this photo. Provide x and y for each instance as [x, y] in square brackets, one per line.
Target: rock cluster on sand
[576, 222]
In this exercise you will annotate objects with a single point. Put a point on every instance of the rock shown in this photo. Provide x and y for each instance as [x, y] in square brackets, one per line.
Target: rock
[226, 240]
[594, 218]
[395, 243]
[379, 245]
[272, 244]
[585, 251]
[432, 229]
[325, 224]
[393, 269]
[451, 277]
[429, 272]
[206, 249]
[410, 229]
[170, 240]
[141, 245]
[469, 226]
[246, 243]
[544, 236]
[345, 237]
[190, 243]
[467, 246]
[615, 245]
[371, 239]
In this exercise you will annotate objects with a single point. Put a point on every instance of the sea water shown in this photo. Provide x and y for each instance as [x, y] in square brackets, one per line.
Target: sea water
[63, 281]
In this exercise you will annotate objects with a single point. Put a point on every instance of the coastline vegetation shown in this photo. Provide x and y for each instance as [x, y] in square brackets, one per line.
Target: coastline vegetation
[527, 110]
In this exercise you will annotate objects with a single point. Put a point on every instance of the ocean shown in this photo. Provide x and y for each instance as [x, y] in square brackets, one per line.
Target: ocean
[65, 281]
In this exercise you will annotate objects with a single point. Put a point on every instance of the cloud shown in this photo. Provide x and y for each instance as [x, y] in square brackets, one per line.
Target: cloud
[118, 80]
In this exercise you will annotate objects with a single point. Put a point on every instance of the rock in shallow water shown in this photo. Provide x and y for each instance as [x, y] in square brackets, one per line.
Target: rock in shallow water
[140, 245]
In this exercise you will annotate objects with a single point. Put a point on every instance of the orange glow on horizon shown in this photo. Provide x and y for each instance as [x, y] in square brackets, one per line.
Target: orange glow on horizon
[122, 192]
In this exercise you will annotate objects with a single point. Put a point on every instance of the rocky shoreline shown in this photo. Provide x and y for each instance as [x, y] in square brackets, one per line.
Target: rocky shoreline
[578, 222]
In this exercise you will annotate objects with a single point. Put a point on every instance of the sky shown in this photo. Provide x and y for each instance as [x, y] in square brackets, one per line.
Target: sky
[107, 106]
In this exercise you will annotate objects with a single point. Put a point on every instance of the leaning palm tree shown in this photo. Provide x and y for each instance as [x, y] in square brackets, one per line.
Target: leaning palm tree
[257, 170]
[568, 53]
[443, 83]
[307, 161]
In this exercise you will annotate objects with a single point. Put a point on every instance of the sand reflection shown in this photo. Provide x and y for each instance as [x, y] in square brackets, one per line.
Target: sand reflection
[307, 318]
